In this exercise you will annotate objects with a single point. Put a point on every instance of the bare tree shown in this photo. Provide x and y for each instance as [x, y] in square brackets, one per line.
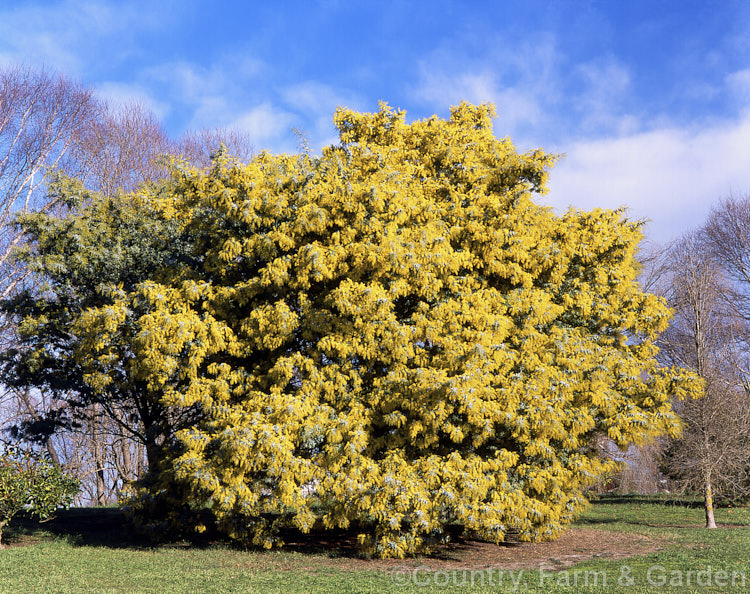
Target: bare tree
[127, 146]
[199, 146]
[122, 149]
[48, 123]
[728, 236]
[41, 115]
[705, 335]
[655, 266]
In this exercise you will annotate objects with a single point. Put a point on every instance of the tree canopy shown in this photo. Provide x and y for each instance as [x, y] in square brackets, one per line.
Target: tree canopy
[392, 335]
[104, 246]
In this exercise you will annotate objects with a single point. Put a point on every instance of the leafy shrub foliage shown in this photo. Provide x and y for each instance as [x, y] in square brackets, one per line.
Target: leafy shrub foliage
[28, 482]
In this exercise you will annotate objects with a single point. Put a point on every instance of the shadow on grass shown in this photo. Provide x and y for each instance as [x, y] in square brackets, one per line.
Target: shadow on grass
[108, 527]
[81, 526]
[343, 543]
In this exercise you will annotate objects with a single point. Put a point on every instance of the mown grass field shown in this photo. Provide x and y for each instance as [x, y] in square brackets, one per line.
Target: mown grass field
[87, 550]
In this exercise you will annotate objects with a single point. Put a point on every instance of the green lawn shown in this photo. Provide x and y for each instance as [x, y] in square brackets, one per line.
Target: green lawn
[86, 550]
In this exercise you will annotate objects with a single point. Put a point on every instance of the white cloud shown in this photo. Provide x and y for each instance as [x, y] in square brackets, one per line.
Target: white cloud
[119, 94]
[605, 84]
[539, 96]
[605, 79]
[211, 96]
[738, 83]
[66, 35]
[525, 80]
[190, 82]
[267, 126]
[313, 97]
[519, 109]
[662, 170]
[517, 106]
[193, 82]
[671, 176]
[317, 102]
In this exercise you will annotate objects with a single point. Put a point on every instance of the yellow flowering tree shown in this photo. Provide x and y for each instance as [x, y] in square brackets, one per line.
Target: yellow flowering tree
[394, 336]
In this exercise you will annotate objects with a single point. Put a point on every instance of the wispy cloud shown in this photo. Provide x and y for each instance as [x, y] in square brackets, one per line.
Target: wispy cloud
[267, 125]
[738, 84]
[670, 176]
[315, 97]
[520, 81]
[316, 103]
[66, 35]
[192, 82]
[540, 95]
[664, 167]
[603, 87]
[518, 107]
[119, 94]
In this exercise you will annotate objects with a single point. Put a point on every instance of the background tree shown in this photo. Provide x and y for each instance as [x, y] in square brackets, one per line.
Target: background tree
[199, 147]
[728, 235]
[713, 452]
[41, 114]
[728, 238]
[111, 245]
[124, 147]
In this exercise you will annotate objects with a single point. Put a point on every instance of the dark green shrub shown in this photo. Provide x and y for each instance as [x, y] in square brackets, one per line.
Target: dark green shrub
[32, 483]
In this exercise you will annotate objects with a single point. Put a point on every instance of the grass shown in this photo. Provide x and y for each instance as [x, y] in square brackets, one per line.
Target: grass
[688, 547]
[86, 550]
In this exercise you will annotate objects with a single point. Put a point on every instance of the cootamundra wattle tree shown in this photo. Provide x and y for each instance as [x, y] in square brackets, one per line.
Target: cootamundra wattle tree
[393, 335]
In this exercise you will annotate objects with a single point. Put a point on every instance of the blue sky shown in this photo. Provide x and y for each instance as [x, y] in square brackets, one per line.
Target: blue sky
[649, 101]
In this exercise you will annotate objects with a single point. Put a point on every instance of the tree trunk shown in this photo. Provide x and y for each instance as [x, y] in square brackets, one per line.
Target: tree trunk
[709, 502]
[25, 397]
[98, 454]
[2, 525]
[127, 474]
